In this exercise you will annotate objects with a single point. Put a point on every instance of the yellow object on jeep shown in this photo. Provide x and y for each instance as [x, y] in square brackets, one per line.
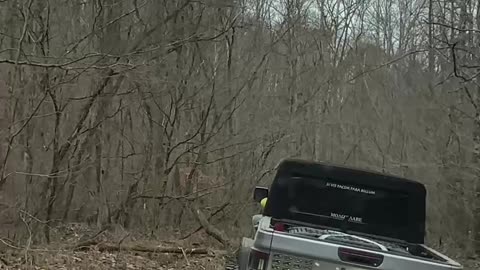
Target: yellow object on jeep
[263, 203]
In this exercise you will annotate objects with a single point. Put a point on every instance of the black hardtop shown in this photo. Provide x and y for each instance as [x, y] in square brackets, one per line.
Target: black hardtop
[298, 167]
[395, 208]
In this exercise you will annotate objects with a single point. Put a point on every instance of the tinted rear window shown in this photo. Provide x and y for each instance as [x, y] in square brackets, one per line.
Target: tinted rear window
[342, 201]
[347, 206]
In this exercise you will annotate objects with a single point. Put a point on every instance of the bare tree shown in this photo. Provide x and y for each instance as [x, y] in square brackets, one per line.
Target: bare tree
[161, 114]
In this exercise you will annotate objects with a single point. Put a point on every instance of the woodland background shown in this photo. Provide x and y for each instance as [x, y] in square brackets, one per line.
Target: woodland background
[162, 115]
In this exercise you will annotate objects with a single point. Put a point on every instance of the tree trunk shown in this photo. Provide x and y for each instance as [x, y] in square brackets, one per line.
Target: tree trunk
[431, 49]
[476, 205]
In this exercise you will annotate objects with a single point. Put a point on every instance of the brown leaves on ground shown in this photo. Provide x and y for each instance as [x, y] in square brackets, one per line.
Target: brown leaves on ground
[94, 259]
[471, 264]
[114, 248]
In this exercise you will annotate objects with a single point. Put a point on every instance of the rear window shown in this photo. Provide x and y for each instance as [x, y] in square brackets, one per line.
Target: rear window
[345, 202]
[347, 206]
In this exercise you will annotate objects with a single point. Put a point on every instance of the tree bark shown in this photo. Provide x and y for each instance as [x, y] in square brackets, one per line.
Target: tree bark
[431, 49]
[476, 204]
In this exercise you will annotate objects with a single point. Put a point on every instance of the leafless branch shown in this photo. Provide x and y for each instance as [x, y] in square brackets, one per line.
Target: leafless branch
[453, 27]
[385, 64]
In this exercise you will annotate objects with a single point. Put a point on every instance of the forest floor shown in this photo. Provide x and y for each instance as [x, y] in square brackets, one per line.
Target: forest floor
[76, 246]
[79, 248]
[123, 260]
[94, 259]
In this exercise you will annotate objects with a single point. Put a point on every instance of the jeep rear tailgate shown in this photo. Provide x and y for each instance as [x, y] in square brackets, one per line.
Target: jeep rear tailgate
[288, 251]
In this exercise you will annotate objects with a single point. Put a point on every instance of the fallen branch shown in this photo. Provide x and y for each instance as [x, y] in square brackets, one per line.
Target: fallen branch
[106, 247]
[209, 228]
[209, 219]
[85, 244]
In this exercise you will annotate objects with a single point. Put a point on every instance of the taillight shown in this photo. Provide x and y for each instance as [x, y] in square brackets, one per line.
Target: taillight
[258, 260]
[360, 257]
[279, 227]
